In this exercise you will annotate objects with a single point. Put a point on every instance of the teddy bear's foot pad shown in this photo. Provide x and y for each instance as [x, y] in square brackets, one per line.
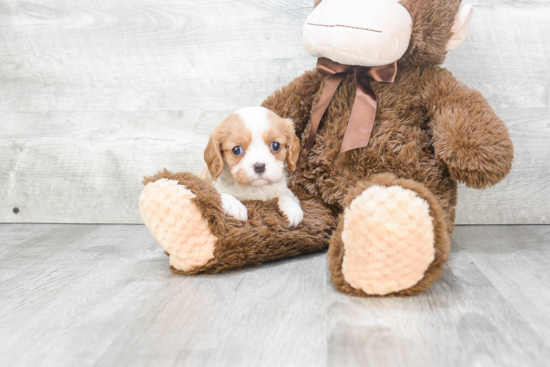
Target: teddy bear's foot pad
[388, 240]
[177, 223]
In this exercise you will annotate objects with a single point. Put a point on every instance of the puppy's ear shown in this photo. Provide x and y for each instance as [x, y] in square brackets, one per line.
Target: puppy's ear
[213, 155]
[293, 148]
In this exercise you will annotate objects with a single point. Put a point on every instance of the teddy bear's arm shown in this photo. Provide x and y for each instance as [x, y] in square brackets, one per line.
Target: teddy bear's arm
[468, 135]
[295, 100]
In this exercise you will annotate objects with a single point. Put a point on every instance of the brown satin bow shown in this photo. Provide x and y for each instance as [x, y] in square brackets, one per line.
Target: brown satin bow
[363, 113]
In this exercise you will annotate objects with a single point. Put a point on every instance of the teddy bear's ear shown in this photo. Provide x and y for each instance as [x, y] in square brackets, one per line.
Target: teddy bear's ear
[460, 27]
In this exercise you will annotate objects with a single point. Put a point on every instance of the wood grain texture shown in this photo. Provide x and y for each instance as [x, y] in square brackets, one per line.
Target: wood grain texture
[96, 94]
[99, 295]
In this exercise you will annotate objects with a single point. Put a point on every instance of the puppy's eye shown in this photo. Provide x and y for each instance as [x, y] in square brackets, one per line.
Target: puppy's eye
[275, 146]
[237, 151]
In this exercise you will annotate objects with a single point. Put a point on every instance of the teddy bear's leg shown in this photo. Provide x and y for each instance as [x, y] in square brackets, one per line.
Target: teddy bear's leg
[176, 222]
[391, 239]
[186, 217]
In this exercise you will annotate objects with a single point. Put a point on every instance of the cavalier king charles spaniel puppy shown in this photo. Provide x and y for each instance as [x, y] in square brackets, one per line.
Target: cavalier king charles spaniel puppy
[246, 158]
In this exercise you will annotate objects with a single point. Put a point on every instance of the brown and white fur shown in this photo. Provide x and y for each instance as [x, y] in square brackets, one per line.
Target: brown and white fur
[246, 158]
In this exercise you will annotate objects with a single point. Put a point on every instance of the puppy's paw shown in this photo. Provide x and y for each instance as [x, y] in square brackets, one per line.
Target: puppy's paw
[292, 209]
[234, 208]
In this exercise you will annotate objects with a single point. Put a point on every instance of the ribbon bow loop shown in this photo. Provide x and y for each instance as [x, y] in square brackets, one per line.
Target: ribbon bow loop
[363, 113]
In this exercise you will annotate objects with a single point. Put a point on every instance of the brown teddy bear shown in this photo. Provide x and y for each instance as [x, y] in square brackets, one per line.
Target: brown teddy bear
[386, 134]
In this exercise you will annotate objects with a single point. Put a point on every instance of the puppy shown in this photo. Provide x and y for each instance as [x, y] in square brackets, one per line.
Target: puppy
[246, 158]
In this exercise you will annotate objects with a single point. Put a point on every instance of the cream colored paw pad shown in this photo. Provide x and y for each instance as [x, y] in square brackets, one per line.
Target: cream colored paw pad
[388, 240]
[177, 223]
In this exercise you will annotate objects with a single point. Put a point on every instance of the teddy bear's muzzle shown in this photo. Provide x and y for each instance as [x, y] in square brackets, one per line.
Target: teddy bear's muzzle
[358, 32]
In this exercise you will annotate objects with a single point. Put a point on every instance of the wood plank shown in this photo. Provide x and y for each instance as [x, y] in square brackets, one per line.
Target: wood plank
[83, 295]
[516, 261]
[94, 95]
[503, 58]
[105, 294]
[482, 312]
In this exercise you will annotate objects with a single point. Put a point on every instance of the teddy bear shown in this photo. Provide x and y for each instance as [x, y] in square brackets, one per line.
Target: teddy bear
[386, 135]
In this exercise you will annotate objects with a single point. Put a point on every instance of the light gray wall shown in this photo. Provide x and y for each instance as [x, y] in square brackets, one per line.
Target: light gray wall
[96, 94]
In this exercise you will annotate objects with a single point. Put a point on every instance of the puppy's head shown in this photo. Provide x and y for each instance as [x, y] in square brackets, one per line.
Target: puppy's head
[253, 144]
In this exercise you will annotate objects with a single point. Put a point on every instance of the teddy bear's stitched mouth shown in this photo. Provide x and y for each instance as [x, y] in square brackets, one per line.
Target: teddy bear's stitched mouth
[343, 26]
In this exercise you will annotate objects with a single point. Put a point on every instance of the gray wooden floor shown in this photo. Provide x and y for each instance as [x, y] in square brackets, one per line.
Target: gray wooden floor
[83, 295]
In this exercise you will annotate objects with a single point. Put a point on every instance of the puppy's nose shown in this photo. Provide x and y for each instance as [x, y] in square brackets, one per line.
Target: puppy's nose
[259, 168]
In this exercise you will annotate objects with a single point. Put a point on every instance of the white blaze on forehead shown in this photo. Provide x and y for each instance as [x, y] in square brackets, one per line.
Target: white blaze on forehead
[255, 119]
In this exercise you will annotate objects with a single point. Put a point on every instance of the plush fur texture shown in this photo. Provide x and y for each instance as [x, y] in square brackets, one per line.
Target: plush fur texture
[432, 24]
[388, 239]
[191, 246]
[431, 131]
[264, 237]
[441, 238]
